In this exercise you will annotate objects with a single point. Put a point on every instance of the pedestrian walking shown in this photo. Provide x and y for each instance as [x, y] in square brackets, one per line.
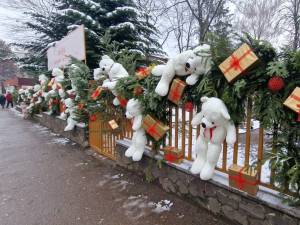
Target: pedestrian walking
[9, 100]
[2, 100]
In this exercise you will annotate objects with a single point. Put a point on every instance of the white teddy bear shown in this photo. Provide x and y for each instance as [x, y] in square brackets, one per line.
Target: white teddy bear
[70, 112]
[114, 71]
[215, 126]
[191, 62]
[139, 140]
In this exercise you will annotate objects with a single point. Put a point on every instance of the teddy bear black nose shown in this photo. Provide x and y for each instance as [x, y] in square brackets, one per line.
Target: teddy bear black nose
[203, 125]
[103, 69]
[187, 65]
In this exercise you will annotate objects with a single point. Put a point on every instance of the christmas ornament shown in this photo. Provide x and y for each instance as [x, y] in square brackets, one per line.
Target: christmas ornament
[276, 84]
[188, 106]
[138, 90]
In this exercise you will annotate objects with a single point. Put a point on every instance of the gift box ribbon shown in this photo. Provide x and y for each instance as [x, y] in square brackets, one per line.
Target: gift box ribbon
[235, 63]
[240, 181]
[123, 101]
[151, 129]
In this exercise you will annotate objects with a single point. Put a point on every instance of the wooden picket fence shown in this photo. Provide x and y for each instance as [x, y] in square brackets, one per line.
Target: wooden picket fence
[248, 148]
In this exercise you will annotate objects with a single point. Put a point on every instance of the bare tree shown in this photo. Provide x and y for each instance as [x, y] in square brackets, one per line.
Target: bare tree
[259, 18]
[291, 19]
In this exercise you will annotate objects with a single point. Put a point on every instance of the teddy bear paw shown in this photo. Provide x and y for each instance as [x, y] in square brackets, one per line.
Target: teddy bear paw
[137, 156]
[129, 152]
[207, 172]
[116, 102]
[196, 167]
[162, 88]
[191, 80]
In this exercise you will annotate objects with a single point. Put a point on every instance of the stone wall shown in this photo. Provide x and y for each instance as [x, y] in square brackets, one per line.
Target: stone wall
[214, 195]
[57, 125]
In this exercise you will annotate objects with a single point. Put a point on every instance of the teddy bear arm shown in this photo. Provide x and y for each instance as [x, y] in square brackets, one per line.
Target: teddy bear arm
[137, 122]
[230, 133]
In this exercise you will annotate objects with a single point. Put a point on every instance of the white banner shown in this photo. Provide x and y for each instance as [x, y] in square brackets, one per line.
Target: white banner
[71, 45]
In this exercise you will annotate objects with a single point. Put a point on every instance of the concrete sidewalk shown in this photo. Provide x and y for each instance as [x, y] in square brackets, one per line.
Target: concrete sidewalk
[48, 180]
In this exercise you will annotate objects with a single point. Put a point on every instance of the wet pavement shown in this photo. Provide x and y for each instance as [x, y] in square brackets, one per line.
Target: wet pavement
[48, 180]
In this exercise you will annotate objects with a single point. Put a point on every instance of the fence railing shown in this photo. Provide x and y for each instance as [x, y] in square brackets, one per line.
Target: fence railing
[249, 148]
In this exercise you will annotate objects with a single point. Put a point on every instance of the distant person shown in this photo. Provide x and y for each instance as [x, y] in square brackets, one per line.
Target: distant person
[2, 100]
[9, 100]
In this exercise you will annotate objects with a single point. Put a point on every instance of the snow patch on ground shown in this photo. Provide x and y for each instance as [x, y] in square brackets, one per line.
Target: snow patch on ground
[162, 206]
[17, 113]
[60, 141]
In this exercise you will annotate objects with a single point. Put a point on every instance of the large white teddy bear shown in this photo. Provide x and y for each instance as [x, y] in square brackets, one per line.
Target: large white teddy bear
[114, 71]
[215, 127]
[70, 112]
[194, 63]
[139, 140]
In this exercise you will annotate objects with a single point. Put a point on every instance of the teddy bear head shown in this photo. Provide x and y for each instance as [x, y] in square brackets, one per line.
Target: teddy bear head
[69, 103]
[105, 64]
[213, 113]
[36, 88]
[133, 108]
[43, 79]
[201, 60]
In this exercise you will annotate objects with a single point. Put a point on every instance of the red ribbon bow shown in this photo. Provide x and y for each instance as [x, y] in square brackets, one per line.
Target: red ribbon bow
[152, 129]
[298, 120]
[235, 63]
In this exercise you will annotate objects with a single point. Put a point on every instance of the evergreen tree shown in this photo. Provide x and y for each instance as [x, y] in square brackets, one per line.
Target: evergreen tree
[120, 18]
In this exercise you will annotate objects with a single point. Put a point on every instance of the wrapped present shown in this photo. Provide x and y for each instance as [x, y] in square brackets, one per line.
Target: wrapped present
[113, 124]
[154, 127]
[242, 178]
[96, 93]
[239, 62]
[143, 72]
[173, 155]
[293, 101]
[123, 101]
[176, 91]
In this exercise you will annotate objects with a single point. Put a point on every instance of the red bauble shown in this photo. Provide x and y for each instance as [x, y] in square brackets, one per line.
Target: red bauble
[275, 84]
[188, 106]
[93, 117]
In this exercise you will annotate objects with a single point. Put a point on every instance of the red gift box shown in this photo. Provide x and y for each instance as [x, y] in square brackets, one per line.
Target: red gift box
[123, 101]
[176, 91]
[154, 127]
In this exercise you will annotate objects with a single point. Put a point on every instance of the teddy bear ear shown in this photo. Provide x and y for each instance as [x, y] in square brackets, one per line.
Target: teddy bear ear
[105, 57]
[225, 114]
[204, 99]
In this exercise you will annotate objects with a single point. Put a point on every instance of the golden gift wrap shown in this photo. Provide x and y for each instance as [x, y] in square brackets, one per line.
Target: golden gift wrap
[242, 178]
[176, 91]
[113, 124]
[173, 155]
[293, 101]
[154, 127]
[238, 63]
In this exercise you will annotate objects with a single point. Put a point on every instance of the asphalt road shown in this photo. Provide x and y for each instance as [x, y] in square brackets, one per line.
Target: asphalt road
[48, 180]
